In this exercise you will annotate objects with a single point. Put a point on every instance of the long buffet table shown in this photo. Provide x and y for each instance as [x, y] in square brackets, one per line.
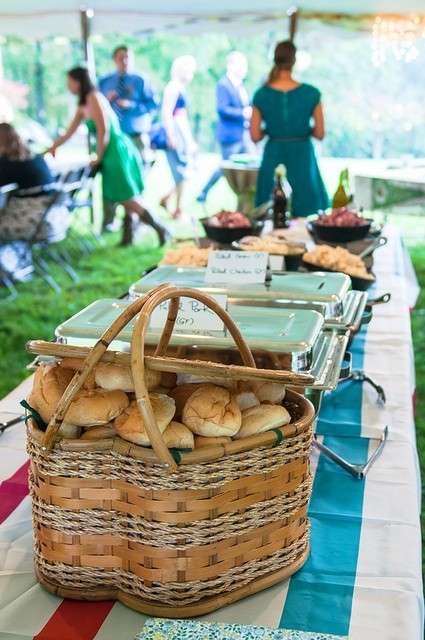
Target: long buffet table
[363, 578]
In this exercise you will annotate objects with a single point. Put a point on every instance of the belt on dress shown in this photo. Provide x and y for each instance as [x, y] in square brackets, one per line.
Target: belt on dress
[300, 139]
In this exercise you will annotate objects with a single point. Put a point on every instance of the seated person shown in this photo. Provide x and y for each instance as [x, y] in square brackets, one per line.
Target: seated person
[20, 219]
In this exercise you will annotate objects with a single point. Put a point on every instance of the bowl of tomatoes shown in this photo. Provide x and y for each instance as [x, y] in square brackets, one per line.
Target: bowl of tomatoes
[339, 226]
[226, 227]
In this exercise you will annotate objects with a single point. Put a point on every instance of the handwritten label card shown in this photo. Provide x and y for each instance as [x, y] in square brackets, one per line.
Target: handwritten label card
[277, 263]
[240, 267]
[193, 316]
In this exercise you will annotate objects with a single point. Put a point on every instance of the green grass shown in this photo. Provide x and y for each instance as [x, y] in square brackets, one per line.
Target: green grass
[418, 331]
[38, 310]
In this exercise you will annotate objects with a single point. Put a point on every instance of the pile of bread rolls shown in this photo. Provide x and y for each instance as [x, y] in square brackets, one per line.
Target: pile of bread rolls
[187, 255]
[190, 412]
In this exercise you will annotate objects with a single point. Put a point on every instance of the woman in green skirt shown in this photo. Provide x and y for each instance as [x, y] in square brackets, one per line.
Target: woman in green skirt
[290, 114]
[116, 156]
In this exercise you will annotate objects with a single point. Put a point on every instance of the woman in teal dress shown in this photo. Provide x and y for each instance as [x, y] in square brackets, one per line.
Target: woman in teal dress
[289, 113]
[116, 156]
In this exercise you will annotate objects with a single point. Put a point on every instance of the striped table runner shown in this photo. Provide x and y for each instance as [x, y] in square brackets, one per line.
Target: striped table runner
[363, 578]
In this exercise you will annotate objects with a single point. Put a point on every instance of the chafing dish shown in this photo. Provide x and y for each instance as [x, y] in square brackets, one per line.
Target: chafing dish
[328, 293]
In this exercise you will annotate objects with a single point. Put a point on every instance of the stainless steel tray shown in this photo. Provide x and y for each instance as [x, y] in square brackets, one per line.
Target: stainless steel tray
[295, 332]
[327, 293]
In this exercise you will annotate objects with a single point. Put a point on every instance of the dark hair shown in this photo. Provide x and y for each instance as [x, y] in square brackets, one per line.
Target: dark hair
[284, 58]
[81, 75]
[12, 146]
[122, 47]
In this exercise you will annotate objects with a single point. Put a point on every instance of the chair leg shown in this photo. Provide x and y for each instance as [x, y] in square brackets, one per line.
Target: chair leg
[98, 240]
[67, 258]
[66, 255]
[42, 269]
[79, 246]
[88, 244]
[10, 286]
[58, 257]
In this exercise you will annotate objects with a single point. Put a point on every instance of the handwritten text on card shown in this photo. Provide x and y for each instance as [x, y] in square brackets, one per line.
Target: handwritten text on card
[193, 316]
[237, 267]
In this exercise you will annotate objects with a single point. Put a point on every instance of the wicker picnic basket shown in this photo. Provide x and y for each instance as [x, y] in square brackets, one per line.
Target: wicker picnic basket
[173, 534]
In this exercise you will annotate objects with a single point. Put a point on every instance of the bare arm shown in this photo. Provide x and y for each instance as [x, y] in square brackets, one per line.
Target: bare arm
[72, 128]
[255, 129]
[319, 122]
[98, 116]
[171, 94]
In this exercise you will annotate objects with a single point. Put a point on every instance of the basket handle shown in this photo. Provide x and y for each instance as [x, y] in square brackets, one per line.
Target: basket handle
[138, 353]
[91, 360]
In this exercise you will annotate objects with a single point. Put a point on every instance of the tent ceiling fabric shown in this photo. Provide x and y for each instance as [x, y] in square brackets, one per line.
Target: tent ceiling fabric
[39, 18]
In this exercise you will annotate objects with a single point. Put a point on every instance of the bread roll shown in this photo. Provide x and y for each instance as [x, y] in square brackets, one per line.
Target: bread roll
[202, 441]
[181, 395]
[98, 433]
[212, 411]
[130, 425]
[96, 407]
[272, 392]
[69, 431]
[160, 389]
[76, 364]
[89, 407]
[111, 376]
[262, 418]
[50, 381]
[177, 436]
[245, 397]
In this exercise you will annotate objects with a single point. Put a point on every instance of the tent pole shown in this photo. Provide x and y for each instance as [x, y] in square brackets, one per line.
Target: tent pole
[293, 15]
[39, 84]
[86, 17]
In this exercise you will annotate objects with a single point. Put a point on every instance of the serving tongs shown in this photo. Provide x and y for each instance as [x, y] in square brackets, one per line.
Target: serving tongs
[359, 471]
[356, 375]
[5, 424]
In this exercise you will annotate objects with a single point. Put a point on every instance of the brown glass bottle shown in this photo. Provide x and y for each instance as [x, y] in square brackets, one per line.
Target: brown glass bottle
[281, 195]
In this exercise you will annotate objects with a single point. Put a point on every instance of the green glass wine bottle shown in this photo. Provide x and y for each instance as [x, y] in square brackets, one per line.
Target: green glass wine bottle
[342, 197]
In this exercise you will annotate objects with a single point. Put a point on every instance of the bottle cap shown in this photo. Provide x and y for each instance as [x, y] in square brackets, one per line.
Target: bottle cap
[280, 171]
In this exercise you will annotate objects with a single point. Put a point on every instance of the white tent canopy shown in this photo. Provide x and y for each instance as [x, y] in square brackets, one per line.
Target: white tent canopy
[39, 18]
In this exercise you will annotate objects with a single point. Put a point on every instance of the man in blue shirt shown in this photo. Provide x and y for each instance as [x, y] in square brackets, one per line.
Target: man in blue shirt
[234, 113]
[130, 94]
[133, 100]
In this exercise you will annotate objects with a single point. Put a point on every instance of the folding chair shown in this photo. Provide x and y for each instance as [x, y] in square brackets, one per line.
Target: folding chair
[78, 183]
[5, 192]
[47, 238]
[5, 279]
[43, 242]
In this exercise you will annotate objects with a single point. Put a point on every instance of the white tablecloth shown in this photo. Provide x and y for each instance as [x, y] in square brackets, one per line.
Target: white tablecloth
[376, 588]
